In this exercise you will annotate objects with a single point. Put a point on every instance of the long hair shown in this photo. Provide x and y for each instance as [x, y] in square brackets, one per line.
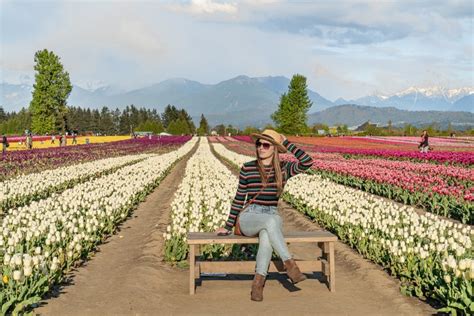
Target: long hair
[276, 167]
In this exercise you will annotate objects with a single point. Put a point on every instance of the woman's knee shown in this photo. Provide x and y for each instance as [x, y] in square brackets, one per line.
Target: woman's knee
[273, 222]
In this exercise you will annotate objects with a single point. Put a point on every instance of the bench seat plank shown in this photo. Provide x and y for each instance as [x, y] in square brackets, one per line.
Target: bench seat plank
[212, 238]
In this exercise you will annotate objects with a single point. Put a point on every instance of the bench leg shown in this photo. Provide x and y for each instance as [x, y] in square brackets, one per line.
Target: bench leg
[192, 263]
[332, 268]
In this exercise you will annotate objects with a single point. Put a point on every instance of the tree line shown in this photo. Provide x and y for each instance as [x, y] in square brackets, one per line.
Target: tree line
[107, 121]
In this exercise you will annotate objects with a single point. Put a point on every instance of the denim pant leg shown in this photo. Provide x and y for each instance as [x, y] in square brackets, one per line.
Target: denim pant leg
[264, 254]
[269, 229]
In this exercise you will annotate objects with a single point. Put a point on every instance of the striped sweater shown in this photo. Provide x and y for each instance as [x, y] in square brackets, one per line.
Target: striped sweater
[250, 182]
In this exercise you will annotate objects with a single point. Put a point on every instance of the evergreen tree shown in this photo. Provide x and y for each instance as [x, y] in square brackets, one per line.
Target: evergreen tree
[203, 126]
[291, 115]
[3, 115]
[169, 115]
[116, 121]
[50, 92]
[190, 128]
[125, 121]
[106, 121]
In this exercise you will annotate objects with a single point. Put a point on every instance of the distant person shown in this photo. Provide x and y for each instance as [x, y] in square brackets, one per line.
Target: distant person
[29, 141]
[74, 138]
[63, 140]
[424, 145]
[53, 138]
[5, 144]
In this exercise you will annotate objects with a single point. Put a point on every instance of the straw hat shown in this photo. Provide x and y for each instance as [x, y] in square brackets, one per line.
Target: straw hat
[271, 136]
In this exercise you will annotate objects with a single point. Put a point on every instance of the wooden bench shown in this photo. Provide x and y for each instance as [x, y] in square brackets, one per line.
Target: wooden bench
[324, 264]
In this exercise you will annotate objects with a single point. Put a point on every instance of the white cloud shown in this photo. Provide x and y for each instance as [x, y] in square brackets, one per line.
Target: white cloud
[388, 46]
[205, 7]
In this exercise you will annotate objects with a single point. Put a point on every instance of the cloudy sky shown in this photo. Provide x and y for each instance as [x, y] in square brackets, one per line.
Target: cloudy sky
[345, 48]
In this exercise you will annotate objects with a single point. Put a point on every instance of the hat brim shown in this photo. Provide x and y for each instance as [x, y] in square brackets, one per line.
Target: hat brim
[281, 149]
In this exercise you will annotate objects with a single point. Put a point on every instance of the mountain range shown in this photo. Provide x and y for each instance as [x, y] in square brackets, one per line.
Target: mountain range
[354, 115]
[250, 101]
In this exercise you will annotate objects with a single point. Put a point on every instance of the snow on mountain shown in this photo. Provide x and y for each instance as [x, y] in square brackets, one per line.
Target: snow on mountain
[451, 94]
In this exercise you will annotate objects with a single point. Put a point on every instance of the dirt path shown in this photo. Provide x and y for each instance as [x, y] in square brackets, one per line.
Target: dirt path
[128, 277]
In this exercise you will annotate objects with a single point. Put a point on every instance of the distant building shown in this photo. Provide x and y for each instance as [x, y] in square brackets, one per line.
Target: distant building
[364, 126]
[143, 133]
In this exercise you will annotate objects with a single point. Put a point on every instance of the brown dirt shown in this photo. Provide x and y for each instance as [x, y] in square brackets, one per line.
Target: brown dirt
[129, 277]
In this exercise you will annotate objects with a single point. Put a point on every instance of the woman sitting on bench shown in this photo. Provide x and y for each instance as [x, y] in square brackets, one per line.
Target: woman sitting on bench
[262, 181]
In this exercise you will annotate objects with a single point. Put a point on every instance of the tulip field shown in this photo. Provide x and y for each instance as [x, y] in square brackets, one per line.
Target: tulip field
[431, 255]
[51, 225]
[410, 213]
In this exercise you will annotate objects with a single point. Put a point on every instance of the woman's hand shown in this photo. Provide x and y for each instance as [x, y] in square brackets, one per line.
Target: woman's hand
[222, 231]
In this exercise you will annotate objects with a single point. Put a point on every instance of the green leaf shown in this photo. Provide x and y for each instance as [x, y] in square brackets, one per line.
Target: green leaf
[26, 303]
[6, 306]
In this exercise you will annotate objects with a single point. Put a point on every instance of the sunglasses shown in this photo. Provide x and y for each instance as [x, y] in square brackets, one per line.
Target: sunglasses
[265, 146]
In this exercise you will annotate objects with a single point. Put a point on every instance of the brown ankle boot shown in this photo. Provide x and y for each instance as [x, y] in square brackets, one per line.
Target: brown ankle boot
[293, 271]
[257, 288]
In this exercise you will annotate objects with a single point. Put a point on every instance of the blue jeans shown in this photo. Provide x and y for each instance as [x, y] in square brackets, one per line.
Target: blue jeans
[265, 222]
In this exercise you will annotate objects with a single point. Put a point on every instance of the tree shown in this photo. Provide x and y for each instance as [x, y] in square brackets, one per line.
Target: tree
[291, 115]
[3, 115]
[249, 130]
[50, 92]
[106, 125]
[178, 127]
[232, 130]
[220, 129]
[150, 126]
[169, 115]
[409, 130]
[203, 126]
[319, 126]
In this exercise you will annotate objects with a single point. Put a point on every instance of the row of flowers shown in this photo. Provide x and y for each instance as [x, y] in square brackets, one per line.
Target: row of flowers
[437, 194]
[444, 190]
[444, 157]
[433, 257]
[23, 189]
[37, 160]
[201, 203]
[41, 241]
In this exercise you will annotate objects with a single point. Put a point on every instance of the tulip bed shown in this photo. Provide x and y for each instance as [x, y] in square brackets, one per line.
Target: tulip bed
[23, 189]
[443, 190]
[433, 257]
[437, 157]
[446, 191]
[41, 241]
[201, 204]
[37, 160]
